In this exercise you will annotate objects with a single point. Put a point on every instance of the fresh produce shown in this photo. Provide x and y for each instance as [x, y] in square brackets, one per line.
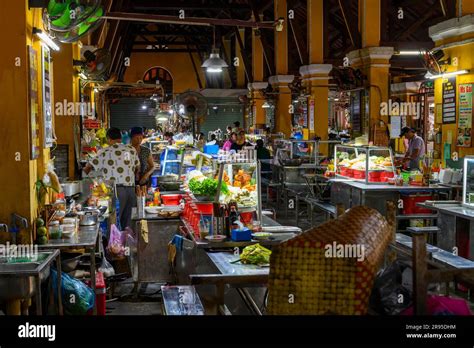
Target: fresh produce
[255, 255]
[42, 240]
[39, 222]
[206, 187]
[42, 231]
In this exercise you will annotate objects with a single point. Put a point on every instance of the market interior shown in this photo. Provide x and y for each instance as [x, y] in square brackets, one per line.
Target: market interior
[233, 157]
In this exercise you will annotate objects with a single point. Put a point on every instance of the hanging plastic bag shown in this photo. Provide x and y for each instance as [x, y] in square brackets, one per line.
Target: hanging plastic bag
[77, 297]
[116, 245]
[106, 268]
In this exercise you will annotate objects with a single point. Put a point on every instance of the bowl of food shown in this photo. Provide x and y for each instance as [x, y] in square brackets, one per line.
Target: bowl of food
[262, 235]
[216, 238]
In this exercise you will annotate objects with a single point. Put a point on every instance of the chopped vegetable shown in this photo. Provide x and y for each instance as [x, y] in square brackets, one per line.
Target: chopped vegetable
[255, 255]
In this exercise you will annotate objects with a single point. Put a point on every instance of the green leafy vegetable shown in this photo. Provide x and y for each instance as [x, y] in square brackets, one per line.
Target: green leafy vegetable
[255, 254]
[207, 187]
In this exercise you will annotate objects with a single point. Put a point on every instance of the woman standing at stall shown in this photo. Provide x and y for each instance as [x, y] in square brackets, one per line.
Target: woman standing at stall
[147, 166]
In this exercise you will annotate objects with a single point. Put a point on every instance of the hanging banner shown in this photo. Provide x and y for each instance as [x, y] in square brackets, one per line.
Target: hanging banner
[47, 110]
[465, 116]
[311, 115]
[33, 103]
[449, 100]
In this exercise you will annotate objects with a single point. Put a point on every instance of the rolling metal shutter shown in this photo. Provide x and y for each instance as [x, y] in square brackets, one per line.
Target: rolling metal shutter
[229, 110]
[128, 113]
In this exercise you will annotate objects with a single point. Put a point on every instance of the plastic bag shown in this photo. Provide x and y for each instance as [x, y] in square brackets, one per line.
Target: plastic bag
[116, 245]
[77, 297]
[389, 296]
[106, 268]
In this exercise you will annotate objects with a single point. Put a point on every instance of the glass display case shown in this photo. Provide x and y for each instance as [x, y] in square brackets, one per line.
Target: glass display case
[240, 182]
[367, 164]
[468, 182]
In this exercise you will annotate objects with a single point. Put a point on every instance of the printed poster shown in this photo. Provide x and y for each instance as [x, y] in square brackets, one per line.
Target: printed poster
[47, 109]
[465, 116]
[33, 103]
[311, 115]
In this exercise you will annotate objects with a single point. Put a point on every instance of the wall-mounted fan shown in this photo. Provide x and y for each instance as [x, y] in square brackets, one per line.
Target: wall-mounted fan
[95, 65]
[193, 106]
[69, 20]
[432, 61]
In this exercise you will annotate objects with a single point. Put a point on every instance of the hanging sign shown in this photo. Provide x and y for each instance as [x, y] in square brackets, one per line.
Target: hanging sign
[465, 116]
[311, 115]
[449, 100]
[47, 110]
[33, 103]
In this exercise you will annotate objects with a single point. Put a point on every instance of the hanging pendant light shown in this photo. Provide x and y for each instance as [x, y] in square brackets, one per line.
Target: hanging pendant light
[214, 64]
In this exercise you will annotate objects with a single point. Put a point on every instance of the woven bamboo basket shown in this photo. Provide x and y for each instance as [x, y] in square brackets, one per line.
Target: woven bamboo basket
[308, 276]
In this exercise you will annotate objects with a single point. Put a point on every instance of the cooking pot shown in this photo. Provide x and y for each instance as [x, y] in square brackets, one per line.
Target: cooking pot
[88, 217]
[71, 188]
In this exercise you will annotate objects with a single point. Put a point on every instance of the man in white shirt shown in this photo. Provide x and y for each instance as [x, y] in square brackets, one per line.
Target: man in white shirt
[120, 163]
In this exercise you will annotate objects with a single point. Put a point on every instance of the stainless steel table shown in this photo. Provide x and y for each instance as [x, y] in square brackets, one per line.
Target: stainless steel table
[38, 273]
[88, 238]
[150, 263]
[353, 193]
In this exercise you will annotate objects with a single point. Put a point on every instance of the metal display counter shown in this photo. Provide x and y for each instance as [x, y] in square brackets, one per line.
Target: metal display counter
[351, 193]
[86, 238]
[149, 260]
[457, 227]
[232, 288]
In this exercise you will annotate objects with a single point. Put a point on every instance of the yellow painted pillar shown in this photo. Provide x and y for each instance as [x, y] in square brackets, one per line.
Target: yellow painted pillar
[66, 90]
[258, 111]
[316, 75]
[315, 31]
[316, 81]
[464, 7]
[456, 34]
[258, 85]
[374, 62]
[369, 22]
[281, 38]
[240, 67]
[283, 102]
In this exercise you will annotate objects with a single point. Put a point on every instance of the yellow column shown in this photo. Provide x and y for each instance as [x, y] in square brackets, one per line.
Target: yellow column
[374, 62]
[464, 7]
[240, 68]
[281, 38]
[315, 31]
[315, 76]
[369, 22]
[316, 80]
[259, 113]
[257, 86]
[282, 111]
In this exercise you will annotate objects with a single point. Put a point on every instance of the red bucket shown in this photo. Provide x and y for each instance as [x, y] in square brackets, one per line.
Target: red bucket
[205, 208]
[171, 199]
[410, 201]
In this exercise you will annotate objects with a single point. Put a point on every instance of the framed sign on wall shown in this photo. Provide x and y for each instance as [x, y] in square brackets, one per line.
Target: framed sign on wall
[47, 109]
[33, 103]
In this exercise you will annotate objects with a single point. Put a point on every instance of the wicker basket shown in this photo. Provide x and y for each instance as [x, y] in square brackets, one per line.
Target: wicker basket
[307, 278]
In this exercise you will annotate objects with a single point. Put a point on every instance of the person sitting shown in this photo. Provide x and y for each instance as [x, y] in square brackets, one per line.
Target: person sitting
[228, 143]
[213, 140]
[240, 143]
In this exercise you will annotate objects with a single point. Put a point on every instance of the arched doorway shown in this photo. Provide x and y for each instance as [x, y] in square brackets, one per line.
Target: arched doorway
[163, 76]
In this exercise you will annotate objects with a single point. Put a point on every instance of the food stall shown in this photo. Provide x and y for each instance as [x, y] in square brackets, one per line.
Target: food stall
[365, 175]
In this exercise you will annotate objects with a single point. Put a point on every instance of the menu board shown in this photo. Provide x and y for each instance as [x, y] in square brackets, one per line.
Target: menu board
[47, 110]
[311, 115]
[465, 116]
[449, 100]
[33, 103]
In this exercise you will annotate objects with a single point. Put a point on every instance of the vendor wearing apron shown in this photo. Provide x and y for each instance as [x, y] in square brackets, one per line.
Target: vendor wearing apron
[416, 148]
[118, 162]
